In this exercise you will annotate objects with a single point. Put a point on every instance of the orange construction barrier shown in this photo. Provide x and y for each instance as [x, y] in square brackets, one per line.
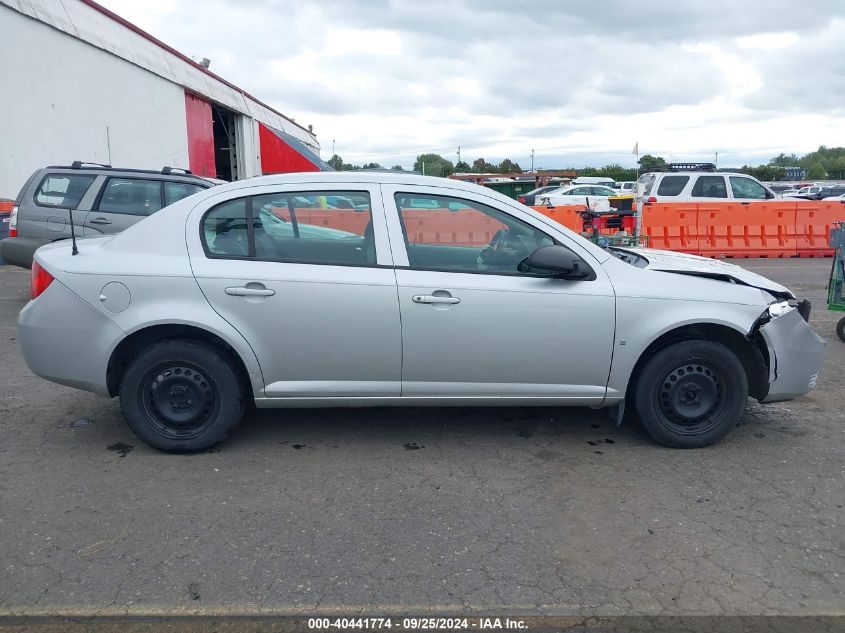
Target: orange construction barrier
[568, 215]
[6, 206]
[747, 229]
[671, 226]
[813, 220]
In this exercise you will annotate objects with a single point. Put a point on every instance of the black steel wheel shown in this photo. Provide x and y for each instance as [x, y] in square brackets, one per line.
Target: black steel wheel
[691, 394]
[179, 399]
[182, 395]
[840, 328]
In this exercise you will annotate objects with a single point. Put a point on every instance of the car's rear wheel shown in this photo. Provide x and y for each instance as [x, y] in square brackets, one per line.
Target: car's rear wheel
[840, 328]
[182, 395]
[691, 394]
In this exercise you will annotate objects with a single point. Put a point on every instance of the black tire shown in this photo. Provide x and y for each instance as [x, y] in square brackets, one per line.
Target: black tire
[840, 328]
[182, 395]
[691, 394]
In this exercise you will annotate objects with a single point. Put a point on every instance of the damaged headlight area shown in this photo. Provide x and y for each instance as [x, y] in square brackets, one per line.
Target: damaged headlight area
[780, 308]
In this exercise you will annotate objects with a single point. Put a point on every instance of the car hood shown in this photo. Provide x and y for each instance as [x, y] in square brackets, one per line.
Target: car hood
[682, 263]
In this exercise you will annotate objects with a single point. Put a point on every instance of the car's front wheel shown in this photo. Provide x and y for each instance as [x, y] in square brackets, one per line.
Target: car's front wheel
[181, 395]
[691, 394]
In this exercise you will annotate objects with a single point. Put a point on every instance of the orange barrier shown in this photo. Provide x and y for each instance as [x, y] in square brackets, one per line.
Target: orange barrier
[567, 215]
[813, 222]
[714, 229]
[6, 206]
[746, 229]
[671, 226]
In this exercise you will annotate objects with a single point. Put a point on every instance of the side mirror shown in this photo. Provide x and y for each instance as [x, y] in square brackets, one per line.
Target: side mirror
[556, 261]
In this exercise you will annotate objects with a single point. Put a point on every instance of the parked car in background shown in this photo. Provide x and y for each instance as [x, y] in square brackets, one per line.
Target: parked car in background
[530, 197]
[626, 186]
[577, 194]
[686, 186]
[809, 192]
[829, 192]
[603, 181]
[102, 199]
[190, 315]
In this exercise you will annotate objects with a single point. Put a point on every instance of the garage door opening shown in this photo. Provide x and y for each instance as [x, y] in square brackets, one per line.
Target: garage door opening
[225, 142]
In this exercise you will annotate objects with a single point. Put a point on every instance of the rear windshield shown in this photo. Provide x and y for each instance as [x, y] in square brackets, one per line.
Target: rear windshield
[62, 190]
[672, 185]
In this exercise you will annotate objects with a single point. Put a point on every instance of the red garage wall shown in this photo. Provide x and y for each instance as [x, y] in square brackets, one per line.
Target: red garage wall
[200, 136]
[277, 157]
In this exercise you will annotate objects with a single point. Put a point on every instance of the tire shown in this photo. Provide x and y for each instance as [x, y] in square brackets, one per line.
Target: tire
[691, 394]
[182, 395]
[840, 329]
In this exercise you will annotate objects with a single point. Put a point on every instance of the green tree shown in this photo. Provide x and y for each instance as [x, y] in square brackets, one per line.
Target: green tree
[784, 160]
[336, 162]
[507, 166]
[397, 168]
[433, 165]
[816, 171]
[371, 166]
[462, 167]
[481, 166]
[651, 163]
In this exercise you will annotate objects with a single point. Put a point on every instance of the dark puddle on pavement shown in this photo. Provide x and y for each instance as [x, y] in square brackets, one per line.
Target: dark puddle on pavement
[122, 449]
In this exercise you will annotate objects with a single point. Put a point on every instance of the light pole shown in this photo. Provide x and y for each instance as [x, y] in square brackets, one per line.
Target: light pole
[532, 161]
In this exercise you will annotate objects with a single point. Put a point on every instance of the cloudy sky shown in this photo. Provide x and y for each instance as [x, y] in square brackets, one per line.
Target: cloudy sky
[578, 82]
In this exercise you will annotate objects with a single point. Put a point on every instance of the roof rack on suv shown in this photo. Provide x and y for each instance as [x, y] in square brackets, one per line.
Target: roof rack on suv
[690, 167]
[166, 171]
[78, 164]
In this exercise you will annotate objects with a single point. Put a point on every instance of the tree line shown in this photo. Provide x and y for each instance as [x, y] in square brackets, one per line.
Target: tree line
[825, 162]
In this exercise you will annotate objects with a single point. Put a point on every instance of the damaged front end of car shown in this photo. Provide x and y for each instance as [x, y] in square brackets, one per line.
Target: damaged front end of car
[794, 352]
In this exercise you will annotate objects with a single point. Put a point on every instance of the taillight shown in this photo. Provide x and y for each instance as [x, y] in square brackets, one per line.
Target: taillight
[13, 223]
[652, 199]
[520, 199]
[41, 279]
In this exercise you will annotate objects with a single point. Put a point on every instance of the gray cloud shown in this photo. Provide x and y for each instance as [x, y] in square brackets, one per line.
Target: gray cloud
[484, 71]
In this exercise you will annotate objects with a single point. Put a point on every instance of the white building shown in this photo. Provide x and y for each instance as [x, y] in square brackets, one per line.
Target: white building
[78, 82]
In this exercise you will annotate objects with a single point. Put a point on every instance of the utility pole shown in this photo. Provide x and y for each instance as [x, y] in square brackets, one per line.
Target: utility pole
[717, 160]
[532, 161]
[332, 147]
[459, 153]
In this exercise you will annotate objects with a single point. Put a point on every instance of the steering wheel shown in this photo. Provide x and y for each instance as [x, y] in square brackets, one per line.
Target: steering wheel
[505, 251]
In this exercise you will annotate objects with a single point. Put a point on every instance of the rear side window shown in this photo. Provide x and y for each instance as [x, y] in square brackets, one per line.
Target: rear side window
[62, 190]
[305, 227]
[747, 188]
[131, 196]
[710, 187]
[175, 191]
[225, 231]
[672, 185]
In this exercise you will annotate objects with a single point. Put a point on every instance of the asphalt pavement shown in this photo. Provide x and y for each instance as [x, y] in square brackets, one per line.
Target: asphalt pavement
[414, 510]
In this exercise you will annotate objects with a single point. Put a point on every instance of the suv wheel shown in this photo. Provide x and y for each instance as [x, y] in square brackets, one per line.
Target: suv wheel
[181, 395]
[691, 394]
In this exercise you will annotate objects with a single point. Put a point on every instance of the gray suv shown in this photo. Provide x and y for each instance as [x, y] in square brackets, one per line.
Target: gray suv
[103, 200]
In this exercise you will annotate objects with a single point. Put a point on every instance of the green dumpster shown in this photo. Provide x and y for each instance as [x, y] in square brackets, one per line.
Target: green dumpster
[512, 189]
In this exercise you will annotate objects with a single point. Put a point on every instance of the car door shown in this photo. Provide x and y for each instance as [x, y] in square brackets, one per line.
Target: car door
[310, 286]
[122, 202]
[472, 325]
[743, 188]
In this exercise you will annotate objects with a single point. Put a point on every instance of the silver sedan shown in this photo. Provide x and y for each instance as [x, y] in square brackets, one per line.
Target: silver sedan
[355, 289]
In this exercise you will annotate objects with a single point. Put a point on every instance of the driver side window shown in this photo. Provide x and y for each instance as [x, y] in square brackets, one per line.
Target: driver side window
[450, 234]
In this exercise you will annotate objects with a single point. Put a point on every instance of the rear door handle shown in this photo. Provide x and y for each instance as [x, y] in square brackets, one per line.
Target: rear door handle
[247, 291]
[435, 299]
[100, 221]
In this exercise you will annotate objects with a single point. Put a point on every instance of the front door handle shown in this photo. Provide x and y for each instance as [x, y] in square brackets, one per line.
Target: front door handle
[100, 221]
[250, 291]
[447, 299]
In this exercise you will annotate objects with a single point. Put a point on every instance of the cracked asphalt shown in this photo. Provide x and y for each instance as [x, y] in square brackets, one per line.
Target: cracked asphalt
[381, 511]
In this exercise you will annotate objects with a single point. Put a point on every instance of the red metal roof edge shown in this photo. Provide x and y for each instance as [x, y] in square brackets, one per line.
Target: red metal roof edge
[124, 22]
